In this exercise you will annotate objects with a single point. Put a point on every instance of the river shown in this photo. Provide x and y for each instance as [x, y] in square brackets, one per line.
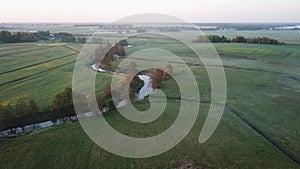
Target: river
[17, 131]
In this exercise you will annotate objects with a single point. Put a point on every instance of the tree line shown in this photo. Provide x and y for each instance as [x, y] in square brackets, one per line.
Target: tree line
[18, 108]
[68, 37]
[9, 37]
[238, 39]
[105, 53]
[15, 112]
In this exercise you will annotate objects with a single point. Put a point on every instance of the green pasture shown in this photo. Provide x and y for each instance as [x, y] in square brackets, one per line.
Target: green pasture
[262, 87]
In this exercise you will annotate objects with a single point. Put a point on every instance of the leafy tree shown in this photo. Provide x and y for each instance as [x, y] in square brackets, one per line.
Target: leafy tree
[43, 35]
[120, 50]
[21, 108]
[62, 103]
[123, 42]
[239, 39]
[108, 98]
[81, 40]
[157, 77]
[100, 101]
[2, 112]
[65, 37]
[5, 37]
[31, 107]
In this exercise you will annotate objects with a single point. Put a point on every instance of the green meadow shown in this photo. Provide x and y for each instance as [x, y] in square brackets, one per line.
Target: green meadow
[259, 127]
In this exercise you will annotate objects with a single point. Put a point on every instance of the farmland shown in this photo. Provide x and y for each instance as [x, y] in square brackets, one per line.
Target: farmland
[23, 73]
[262, 109]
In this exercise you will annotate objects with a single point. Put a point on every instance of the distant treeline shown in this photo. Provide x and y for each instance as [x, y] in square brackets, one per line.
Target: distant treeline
[238, 39]
[67, 37]
[8, 37]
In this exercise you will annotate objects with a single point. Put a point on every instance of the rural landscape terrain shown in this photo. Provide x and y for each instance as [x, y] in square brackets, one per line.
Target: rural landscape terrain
[259, 127]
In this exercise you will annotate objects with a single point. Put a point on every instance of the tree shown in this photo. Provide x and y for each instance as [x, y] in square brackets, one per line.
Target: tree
[120, 50]
[57, 105]
[69, 38]
[5, 37]
[100, 101]
[106, 61]
[123, 42]
[239, 39]
[108, 98]
[62, 103]
[20, 108]
[43, 35]
[107, 57]
[2, 112]
[157, 77]
[81, 40]
[32, 108]
[65, 37]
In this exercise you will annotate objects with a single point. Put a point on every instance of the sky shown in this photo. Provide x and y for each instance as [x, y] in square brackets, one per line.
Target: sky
[188, 10]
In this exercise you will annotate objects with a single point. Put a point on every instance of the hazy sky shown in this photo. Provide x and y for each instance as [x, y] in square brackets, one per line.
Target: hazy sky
[189, 10]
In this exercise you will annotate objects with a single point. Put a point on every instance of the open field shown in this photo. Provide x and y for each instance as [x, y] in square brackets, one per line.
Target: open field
[34, 72]
[234, 145]
[263, 101]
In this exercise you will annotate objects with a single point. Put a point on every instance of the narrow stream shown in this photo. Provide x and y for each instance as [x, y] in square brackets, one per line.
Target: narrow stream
[143, 92]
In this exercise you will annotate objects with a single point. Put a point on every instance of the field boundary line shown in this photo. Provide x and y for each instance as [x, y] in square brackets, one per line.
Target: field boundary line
[276, 145]
[35, 74]
[37, 64]
[258, 59]
[18, 53]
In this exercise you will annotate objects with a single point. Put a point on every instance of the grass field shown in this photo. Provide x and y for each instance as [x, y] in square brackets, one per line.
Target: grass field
[263, 90]
[36, 71]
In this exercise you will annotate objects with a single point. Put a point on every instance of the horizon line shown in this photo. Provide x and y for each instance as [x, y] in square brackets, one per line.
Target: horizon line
[204, 22]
